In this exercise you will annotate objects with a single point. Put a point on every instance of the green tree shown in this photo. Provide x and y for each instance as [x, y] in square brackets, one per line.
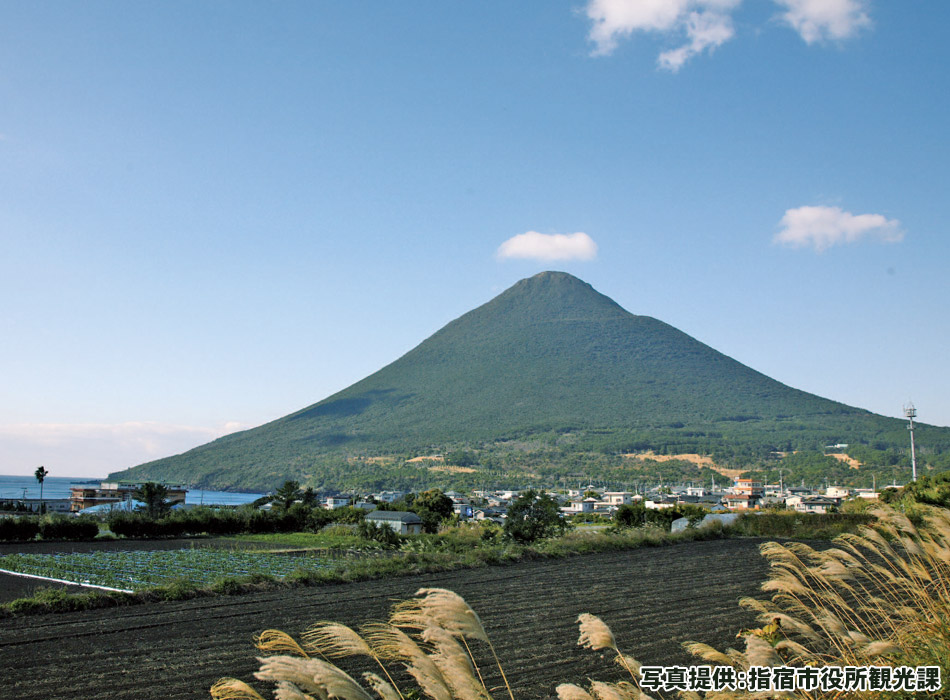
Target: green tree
[309, 497]
[533, 516]
[287, 495]
[461, 458]
[155, 498]
[40, 475]
[433, 507]
[630, 515]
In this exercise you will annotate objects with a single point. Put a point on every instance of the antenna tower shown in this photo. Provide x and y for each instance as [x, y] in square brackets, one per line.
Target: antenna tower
[910, 412]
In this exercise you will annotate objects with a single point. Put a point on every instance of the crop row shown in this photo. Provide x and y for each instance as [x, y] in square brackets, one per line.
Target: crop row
[135, 570]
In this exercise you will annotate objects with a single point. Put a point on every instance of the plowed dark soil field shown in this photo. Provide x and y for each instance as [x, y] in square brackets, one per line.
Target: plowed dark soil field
[653, 599]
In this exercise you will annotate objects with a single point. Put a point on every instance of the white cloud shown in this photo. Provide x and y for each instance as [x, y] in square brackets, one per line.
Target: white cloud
[708, 24]
[616, 19]
[706, 30]
[822, 227]
[93, 449]
[543, 246]
[817, 20]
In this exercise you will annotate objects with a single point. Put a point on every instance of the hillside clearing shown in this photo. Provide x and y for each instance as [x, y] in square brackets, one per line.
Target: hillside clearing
[847, 459]
[697, 459]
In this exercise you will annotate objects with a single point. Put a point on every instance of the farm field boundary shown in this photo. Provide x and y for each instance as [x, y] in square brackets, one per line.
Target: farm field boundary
[49, 579]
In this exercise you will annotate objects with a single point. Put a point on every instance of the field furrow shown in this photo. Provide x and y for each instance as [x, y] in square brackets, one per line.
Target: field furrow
[652, 598]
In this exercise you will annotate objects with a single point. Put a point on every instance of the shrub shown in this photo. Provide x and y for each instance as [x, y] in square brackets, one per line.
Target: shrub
[636, 515]
[18, 528]
[56, 526]
[228, 586]
[376, 532]
[802, 525]
[126, 524]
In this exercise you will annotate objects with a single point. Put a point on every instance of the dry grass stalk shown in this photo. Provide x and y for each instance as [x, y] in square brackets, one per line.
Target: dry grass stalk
[569, 691]
[880, 596]
[335, 641]
[613, 691]
[385, 690]
[595, 634]
[455, 664]
[311, 676]
[277, 642]
[288, 691]
[233, 689]
[390, 642]
[441, 608]
[448, 610]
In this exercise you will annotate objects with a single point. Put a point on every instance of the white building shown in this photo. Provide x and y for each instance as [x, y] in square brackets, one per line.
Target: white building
[616, 498]
[334, 502]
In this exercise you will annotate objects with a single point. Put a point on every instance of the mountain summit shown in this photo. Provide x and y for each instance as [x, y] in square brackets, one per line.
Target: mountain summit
[550, 356]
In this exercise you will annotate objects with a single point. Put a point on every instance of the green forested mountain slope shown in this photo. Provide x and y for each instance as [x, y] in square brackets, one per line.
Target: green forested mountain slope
[548, 357]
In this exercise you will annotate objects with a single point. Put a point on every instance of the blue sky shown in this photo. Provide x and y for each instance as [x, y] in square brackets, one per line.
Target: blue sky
[213, 214]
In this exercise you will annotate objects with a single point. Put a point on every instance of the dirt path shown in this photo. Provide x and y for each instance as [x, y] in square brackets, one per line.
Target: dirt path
[654, 599]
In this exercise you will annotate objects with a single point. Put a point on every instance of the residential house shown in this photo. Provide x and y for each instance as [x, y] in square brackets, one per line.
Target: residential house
[616, 498]
[403, 522]
[746, 494]
[816, 504]
[334, 502]
[837, 492]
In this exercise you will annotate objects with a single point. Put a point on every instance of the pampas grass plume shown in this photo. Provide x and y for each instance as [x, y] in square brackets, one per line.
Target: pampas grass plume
[334, 641]
[277, 642]
[442, 608]
[311, 675]
[569, 691]
[595, 634]
[383, 689]
[233, 689]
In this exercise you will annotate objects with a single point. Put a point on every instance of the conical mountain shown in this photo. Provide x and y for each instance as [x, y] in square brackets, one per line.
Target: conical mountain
[550, 356]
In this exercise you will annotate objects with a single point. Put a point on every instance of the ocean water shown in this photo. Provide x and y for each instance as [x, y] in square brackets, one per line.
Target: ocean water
[13, 487]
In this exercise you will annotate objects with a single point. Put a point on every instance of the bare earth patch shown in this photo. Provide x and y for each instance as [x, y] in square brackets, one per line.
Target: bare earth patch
[847, 459]
[430, 458]
[452, 469]
[697, 459]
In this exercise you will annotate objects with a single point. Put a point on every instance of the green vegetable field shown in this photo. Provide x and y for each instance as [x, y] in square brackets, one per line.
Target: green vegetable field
[133, 571]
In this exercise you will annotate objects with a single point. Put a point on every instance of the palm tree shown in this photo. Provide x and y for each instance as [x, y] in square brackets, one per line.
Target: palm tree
[40, 475]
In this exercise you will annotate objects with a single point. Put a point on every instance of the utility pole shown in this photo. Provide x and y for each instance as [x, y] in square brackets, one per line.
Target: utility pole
[911, 413]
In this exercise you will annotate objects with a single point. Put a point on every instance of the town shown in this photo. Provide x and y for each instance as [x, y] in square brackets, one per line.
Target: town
[743, 495]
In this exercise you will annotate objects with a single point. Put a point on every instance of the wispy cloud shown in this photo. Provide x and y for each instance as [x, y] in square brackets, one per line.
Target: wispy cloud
[823, 227]
[705, 30]
[708, 24]
[93, 449]
[818, 20]
[548, 246]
